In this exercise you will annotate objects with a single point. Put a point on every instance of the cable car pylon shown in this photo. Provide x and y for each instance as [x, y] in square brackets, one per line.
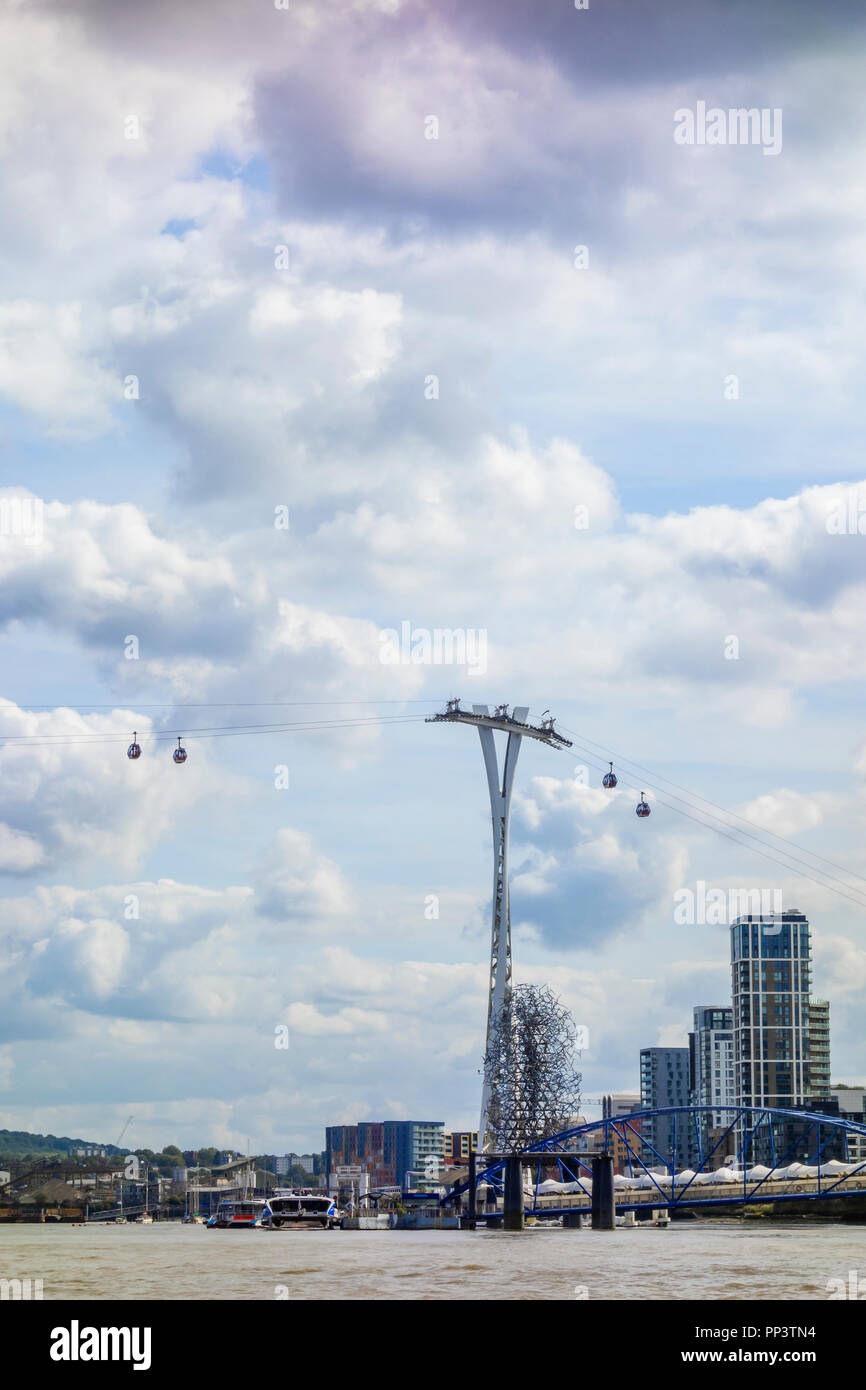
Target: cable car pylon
[517, 727]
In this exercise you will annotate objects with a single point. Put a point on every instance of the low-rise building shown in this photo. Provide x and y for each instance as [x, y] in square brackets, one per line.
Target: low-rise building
[459, 1144]
[852, 1106]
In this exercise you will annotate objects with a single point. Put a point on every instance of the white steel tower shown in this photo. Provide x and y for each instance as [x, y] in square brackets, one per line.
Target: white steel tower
[516, 727]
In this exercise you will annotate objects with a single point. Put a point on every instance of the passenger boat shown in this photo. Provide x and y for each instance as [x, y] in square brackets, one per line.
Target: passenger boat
[287, 1206]
[298, 1206]
[247, 1212]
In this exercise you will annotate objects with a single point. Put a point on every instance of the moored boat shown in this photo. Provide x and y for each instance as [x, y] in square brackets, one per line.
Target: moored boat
[238, 1214]
[286, 1207]
[291, 1206]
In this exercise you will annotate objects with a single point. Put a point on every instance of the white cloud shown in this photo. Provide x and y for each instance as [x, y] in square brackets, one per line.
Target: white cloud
[304, 387]
[18, 852]
[307, 1020]
[67, 790]
[299, 886]
[47, 367]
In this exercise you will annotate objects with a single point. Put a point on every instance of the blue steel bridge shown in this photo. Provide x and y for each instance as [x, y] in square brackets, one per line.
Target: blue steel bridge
[778, 1156]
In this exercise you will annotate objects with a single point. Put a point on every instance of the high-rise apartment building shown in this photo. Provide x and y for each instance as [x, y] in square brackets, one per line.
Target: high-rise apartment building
[386, 1150]
[771, 970]
[711, 1080]
[664, 1081]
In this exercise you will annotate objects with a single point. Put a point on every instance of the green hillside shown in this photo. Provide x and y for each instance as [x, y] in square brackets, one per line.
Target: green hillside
[15, 1143]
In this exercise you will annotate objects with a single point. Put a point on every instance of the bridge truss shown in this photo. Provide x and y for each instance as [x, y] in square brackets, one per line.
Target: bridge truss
[777, 1156]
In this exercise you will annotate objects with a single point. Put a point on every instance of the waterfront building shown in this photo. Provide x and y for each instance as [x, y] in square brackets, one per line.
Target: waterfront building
[711, 1081]
[851, 1101]
[591, 1143]
[282, 1164]
[371, 1154]
[459, 1144]
[819, 1049]
[411, 1144]
[781, 1035]
[341, 1147]
[625, 1103]
[385, 1150]
[612, 1107]
[664, 1081]
[771, 968]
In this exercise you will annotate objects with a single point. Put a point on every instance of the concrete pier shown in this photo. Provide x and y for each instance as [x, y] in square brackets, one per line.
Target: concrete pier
[603, 1207]
[513, 1218]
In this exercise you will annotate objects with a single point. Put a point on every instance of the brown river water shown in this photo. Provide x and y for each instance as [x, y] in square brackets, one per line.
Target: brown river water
[694, 1260]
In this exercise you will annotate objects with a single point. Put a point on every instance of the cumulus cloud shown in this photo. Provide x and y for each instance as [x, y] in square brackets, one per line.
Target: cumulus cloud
[596, 873]
[65, 793]
[173, 950]
[47, 367]
[300, 886]
[675, 589]
[18, 851]
[388, 335]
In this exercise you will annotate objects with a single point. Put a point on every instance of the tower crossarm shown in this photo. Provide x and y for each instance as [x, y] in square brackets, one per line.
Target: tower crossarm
[544, 731]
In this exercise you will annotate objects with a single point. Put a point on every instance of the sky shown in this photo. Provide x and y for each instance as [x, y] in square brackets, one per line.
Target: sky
[320, 320]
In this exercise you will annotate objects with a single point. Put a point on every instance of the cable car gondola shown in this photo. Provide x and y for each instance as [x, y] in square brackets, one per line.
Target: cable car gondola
[642, 808]
[179, 753]
[609, 778]
[134, 750]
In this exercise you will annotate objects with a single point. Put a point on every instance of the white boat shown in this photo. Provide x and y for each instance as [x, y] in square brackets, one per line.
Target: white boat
[298, 1206]
[285, 1208]
[237, 1214]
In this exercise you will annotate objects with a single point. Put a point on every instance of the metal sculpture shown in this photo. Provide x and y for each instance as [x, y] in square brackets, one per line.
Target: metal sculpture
[529, 1072]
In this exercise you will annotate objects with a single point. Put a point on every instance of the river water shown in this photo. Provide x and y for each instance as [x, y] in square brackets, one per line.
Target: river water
[682, 1261]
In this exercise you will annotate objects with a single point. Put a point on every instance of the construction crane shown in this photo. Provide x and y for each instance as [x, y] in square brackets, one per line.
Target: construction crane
[117, 1141]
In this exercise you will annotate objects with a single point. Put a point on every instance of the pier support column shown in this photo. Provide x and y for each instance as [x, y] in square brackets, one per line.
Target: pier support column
[572, 1220]
[603, 1209]
[512, 1207]
[473, 1190]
